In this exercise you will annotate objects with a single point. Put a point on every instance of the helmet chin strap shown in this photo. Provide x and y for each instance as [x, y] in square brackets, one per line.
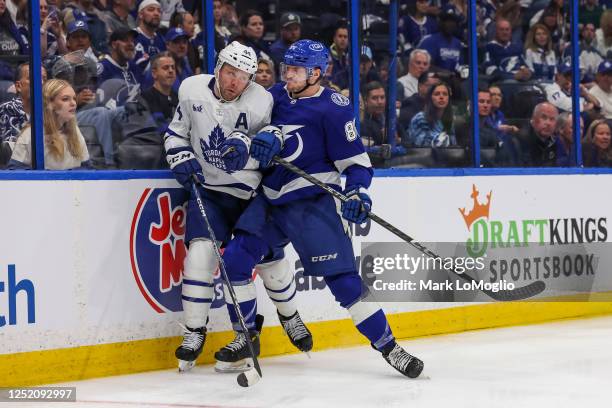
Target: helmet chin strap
[308, 85]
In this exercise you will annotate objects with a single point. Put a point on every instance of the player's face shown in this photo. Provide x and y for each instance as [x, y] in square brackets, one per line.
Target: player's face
[601, 136]
[484, 103]
[232, 82]
[440, 97]
[165, 72]
[64, 105]
[151, 16]
[294, 76]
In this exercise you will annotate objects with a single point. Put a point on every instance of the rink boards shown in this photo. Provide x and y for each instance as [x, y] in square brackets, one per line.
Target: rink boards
[90, 270]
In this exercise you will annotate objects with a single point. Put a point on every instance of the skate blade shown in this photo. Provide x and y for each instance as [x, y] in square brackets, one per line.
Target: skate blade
[239, 366]
[308, 354]
[184, 366]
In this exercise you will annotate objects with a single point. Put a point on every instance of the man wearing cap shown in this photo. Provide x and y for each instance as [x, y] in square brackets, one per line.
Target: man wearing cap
[559, 93]
[443, 46]
[78, 38]
[148, 41]
[119, 15]
[602, 90]
[291, 31]
[177, 40]
[84, 10]
[119, 63]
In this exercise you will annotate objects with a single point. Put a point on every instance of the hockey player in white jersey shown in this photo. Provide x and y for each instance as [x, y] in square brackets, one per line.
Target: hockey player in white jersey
[209, 137]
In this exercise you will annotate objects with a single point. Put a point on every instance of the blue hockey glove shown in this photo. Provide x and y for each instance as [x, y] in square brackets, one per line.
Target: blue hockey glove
[267, 144]
[358, 205]
[235, 151]
[183, 163]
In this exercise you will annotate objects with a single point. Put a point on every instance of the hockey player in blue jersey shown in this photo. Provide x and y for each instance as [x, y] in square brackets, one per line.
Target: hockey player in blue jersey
[317, 134]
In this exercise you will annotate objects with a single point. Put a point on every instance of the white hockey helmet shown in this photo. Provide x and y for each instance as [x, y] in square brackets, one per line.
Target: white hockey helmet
[238, 56]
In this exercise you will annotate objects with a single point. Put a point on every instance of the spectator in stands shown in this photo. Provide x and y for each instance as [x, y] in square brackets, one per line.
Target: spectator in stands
[221, 30]
[169, 8]
[374, 126]
[554, 18]
[503, 58]
[491, 136]
[161, 99]
[252, 32]
[65, 146]
[265, 73]
[590, 58]
[149, 40]
[15, 114]
[602, 90]
[52, 41]
[418, 64]
[417, 24]
[340, 58]
[12, 42]
[539, 55]
[497, 116]
[176, 43]
[367, 69]
[416, 103]
[559, 93]
[511, 11]
[119, 15]
[84, 10]
[596, 146]
[539, 147]
[590, 12]
[444, 48]
[119, 64]
[603, 35]
[433, 127]
[186, 22]
[78, 38]
[290, 32]
[566, 150]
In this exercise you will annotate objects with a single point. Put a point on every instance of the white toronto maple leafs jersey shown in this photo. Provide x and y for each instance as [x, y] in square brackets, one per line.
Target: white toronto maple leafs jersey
[204, 122]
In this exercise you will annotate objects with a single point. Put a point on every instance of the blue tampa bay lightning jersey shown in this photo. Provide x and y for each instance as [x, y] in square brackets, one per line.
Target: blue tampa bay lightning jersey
[320, 137]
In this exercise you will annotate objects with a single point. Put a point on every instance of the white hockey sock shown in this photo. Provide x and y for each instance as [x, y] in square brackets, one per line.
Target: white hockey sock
[197, 292]
[280, 285]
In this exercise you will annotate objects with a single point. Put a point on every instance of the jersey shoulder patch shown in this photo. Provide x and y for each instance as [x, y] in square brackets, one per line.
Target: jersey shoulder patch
[340, 99]
[350, 130]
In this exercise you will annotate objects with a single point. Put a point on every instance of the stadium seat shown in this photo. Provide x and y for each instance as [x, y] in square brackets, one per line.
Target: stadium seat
[487, 157]
[451, 157]
[144, 151]
[417, 157]
[96, 153]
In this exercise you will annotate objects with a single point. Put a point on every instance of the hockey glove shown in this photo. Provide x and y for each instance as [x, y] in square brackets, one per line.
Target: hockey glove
[235, 151]
[183, 163]
[358, 205]
[267, 144]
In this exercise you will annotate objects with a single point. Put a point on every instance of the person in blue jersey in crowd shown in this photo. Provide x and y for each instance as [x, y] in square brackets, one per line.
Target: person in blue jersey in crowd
[417, 24]
[317, 133]
[444, 47]
[433, 127]
[119, 64]
[149, 41]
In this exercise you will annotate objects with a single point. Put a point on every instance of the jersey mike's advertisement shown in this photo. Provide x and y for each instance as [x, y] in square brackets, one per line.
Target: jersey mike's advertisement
[101, 262]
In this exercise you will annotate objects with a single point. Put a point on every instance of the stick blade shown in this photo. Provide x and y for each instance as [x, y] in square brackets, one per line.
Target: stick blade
[526, 292]
[248, 378]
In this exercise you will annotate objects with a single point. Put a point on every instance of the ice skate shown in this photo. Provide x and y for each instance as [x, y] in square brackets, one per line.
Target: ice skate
[402, 361]
[191, 348]
[296, 330]
[235, 356]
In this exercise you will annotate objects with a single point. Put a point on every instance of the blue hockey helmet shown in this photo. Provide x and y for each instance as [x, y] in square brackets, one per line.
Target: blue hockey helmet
[308, 54]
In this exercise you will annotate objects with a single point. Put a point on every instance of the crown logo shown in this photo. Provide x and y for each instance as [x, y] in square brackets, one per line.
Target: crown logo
[478, 210]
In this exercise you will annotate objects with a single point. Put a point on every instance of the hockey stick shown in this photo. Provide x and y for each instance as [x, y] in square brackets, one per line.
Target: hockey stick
[251, 376]
[524, 292]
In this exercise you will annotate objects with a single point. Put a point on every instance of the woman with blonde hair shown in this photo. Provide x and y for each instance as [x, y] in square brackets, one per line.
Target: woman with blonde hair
[603, 35]
[65, 147]
[596, 144]
[539, 55]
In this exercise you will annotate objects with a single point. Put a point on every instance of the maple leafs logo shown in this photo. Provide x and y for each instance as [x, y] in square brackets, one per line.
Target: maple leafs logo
[212, 151]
